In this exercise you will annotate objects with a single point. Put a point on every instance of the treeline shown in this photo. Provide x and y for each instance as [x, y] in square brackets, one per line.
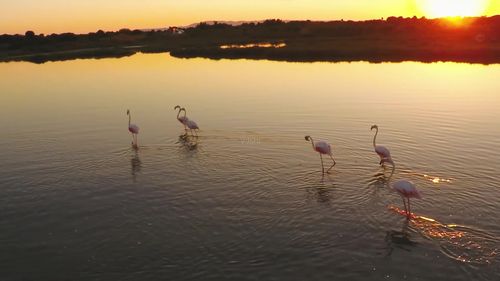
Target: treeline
[68, 41]
[483, 29]
[313, 39]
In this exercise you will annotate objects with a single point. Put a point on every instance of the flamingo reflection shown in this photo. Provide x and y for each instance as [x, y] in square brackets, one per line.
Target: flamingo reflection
[136, 165]
[399, 239]
[188, 142]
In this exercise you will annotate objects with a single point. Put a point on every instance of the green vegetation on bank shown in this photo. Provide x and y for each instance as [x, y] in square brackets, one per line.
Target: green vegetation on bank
[475, 40]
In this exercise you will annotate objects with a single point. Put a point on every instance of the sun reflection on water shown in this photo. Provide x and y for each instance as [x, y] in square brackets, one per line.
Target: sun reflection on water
[437, 180]
[431, 178]
[460, 243]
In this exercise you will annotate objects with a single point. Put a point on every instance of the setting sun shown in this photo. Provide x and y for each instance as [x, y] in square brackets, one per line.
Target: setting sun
[453, 8]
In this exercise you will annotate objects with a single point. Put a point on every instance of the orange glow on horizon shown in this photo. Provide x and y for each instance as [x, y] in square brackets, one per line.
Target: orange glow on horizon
[79, 16]
[453, 8]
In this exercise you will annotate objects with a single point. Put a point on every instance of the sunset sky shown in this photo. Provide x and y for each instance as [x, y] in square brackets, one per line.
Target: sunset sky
[82, 16]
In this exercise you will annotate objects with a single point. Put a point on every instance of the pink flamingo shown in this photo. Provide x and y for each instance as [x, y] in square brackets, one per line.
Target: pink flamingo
[382, 151]
[322, 147]
[190, 123]
[406, 189]
[133, 129]
[182, 119]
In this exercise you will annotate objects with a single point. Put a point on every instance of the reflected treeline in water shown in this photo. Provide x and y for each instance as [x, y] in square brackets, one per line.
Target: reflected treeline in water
[460, 243]
[473, 40]
[93, 53]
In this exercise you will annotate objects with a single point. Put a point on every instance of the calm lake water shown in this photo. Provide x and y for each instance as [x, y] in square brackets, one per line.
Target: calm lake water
[246, 200]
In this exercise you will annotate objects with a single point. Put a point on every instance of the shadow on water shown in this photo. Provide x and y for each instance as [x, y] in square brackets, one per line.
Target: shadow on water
[382, 178]
[321, 194]
[461, 243]
[319, 186]
[379, 181]
[188, 142]
[136, 165]
[400, 239]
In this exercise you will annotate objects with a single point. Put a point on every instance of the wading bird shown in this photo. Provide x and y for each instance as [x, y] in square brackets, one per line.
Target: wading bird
[133, 129]
[382, 151]
[182, 119]
[322, 147]
[190, 123]
[406, 189]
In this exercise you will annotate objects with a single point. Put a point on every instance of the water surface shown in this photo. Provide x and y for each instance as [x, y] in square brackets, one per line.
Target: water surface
[246, 200]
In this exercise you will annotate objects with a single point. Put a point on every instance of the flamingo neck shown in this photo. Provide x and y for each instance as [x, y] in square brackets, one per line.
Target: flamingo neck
[375, 139]
[390, 177]
[178, 113]
[312, 142]
[129, 118]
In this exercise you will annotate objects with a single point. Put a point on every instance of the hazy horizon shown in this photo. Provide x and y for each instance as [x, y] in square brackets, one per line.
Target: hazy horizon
[57, 16]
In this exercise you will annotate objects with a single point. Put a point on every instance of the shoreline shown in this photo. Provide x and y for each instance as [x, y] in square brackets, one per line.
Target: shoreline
[475, 40]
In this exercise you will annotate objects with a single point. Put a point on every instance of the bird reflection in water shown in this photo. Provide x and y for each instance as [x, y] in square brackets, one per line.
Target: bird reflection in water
[322, 195]
[381, 178]
[136, 164]
[188, 141]
[321, 191]
[399, 239]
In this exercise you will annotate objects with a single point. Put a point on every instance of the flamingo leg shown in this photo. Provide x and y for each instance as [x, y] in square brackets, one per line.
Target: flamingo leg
[133, 139]
[332, 165]
[404, 202]
[322, 166]
[196, 133]
[409, 210]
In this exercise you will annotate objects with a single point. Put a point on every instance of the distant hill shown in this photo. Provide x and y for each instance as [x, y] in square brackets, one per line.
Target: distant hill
[214, 22]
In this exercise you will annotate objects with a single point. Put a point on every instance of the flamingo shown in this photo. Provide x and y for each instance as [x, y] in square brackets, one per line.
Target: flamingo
[406, 189]
[322, 147]
[190, 123]
[182, 119]
[382, 151]
[133, 129]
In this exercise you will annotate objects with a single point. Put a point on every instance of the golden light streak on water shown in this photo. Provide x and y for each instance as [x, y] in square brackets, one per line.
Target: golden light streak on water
[254, 45]
[461, 243]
